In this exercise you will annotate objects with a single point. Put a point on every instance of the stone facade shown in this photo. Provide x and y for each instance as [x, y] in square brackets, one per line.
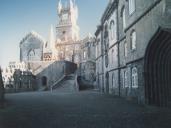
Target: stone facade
[87, 66]
[125, 32]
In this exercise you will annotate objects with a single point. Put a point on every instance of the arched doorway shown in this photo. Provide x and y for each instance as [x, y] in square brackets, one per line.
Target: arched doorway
[44, 81]
[107, 82]
[157, 68]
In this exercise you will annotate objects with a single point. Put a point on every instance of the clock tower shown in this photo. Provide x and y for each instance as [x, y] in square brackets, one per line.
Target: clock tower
[67, 31]
[67, 28]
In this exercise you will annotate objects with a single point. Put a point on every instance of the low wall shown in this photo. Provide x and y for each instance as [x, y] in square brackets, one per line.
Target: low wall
[18, 90]
[83, 84]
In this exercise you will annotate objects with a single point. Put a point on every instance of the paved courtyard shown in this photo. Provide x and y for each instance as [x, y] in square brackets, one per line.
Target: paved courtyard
[87, 109]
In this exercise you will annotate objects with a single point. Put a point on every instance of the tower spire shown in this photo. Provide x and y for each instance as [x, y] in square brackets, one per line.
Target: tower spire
[71, 3]
[59, 6]
[52, 38]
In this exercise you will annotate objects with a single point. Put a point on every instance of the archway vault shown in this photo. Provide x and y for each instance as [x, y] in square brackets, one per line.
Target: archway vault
[44, 81]
[157, 68]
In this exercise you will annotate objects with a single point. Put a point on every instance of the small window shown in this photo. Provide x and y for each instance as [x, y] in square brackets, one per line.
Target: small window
[131, 6]
[31, 56]
[84, 54]
[112, 30]
[133, 39]
[112, 57]
[134, 78]
[125, 49]
[106, 38]
[123, 15]
[89, 52]
[106, 60]
[125, 79]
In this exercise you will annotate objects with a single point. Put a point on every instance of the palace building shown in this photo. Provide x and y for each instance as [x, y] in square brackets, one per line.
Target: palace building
[133, 50]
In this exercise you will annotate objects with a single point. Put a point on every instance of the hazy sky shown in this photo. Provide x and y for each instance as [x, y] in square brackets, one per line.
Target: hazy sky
[19, 17]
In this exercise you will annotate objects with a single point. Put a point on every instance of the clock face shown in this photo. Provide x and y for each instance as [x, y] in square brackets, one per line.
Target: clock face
[64, 16]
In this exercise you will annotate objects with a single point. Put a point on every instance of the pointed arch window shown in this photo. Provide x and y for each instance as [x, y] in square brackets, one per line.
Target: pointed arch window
[133, 39]
[125, 49]
[106, 60]
[125, 79]
[106, 38]
[112, 30]
[134, 78]
[31, 55]
[123, 15]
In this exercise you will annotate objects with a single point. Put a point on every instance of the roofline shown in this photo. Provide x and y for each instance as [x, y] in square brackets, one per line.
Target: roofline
[109, 9]
[32, 33]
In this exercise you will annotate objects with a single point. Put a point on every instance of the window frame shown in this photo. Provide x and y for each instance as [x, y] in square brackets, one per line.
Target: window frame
[106, 37]
[125, 79]
[131, 6]
[133, 43]
[112, 31]
[134, 77]
[123, 15]
[106, 60]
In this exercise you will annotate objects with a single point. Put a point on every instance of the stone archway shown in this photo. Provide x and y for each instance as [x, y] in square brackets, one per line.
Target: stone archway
[157, 68]
[44, 81]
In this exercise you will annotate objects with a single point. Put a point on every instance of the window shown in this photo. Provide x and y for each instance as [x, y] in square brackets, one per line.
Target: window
[133, 40]
[134, 78]
[112, 57]
[123, 15]
[125, 79]
[131, 6]
[112, 30]
[84, 54]
[89, 52]
[106, 60]
[31, 56]
[125, 49]
[97, 48]
[106, 38]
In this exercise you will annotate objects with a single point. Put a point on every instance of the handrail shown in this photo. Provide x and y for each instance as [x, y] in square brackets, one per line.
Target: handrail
[57, 82]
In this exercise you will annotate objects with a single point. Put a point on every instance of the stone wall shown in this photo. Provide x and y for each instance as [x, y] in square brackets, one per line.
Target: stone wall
[47, 77]
[88, 71]
[117, 75]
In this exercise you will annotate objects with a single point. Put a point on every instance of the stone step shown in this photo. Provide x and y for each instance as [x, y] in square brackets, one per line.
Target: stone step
[67, 84]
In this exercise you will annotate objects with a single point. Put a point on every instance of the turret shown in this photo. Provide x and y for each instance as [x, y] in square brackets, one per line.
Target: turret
[70, 3]
[59, 7]
[52, 38]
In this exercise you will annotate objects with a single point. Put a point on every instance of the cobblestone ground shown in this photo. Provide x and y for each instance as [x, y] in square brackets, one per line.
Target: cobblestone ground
[79, 110]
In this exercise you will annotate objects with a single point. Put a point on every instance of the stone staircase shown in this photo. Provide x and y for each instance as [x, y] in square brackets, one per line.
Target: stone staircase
[67, 84]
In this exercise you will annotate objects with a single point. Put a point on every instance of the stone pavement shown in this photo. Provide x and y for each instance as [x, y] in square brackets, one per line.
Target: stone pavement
[87, 109]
